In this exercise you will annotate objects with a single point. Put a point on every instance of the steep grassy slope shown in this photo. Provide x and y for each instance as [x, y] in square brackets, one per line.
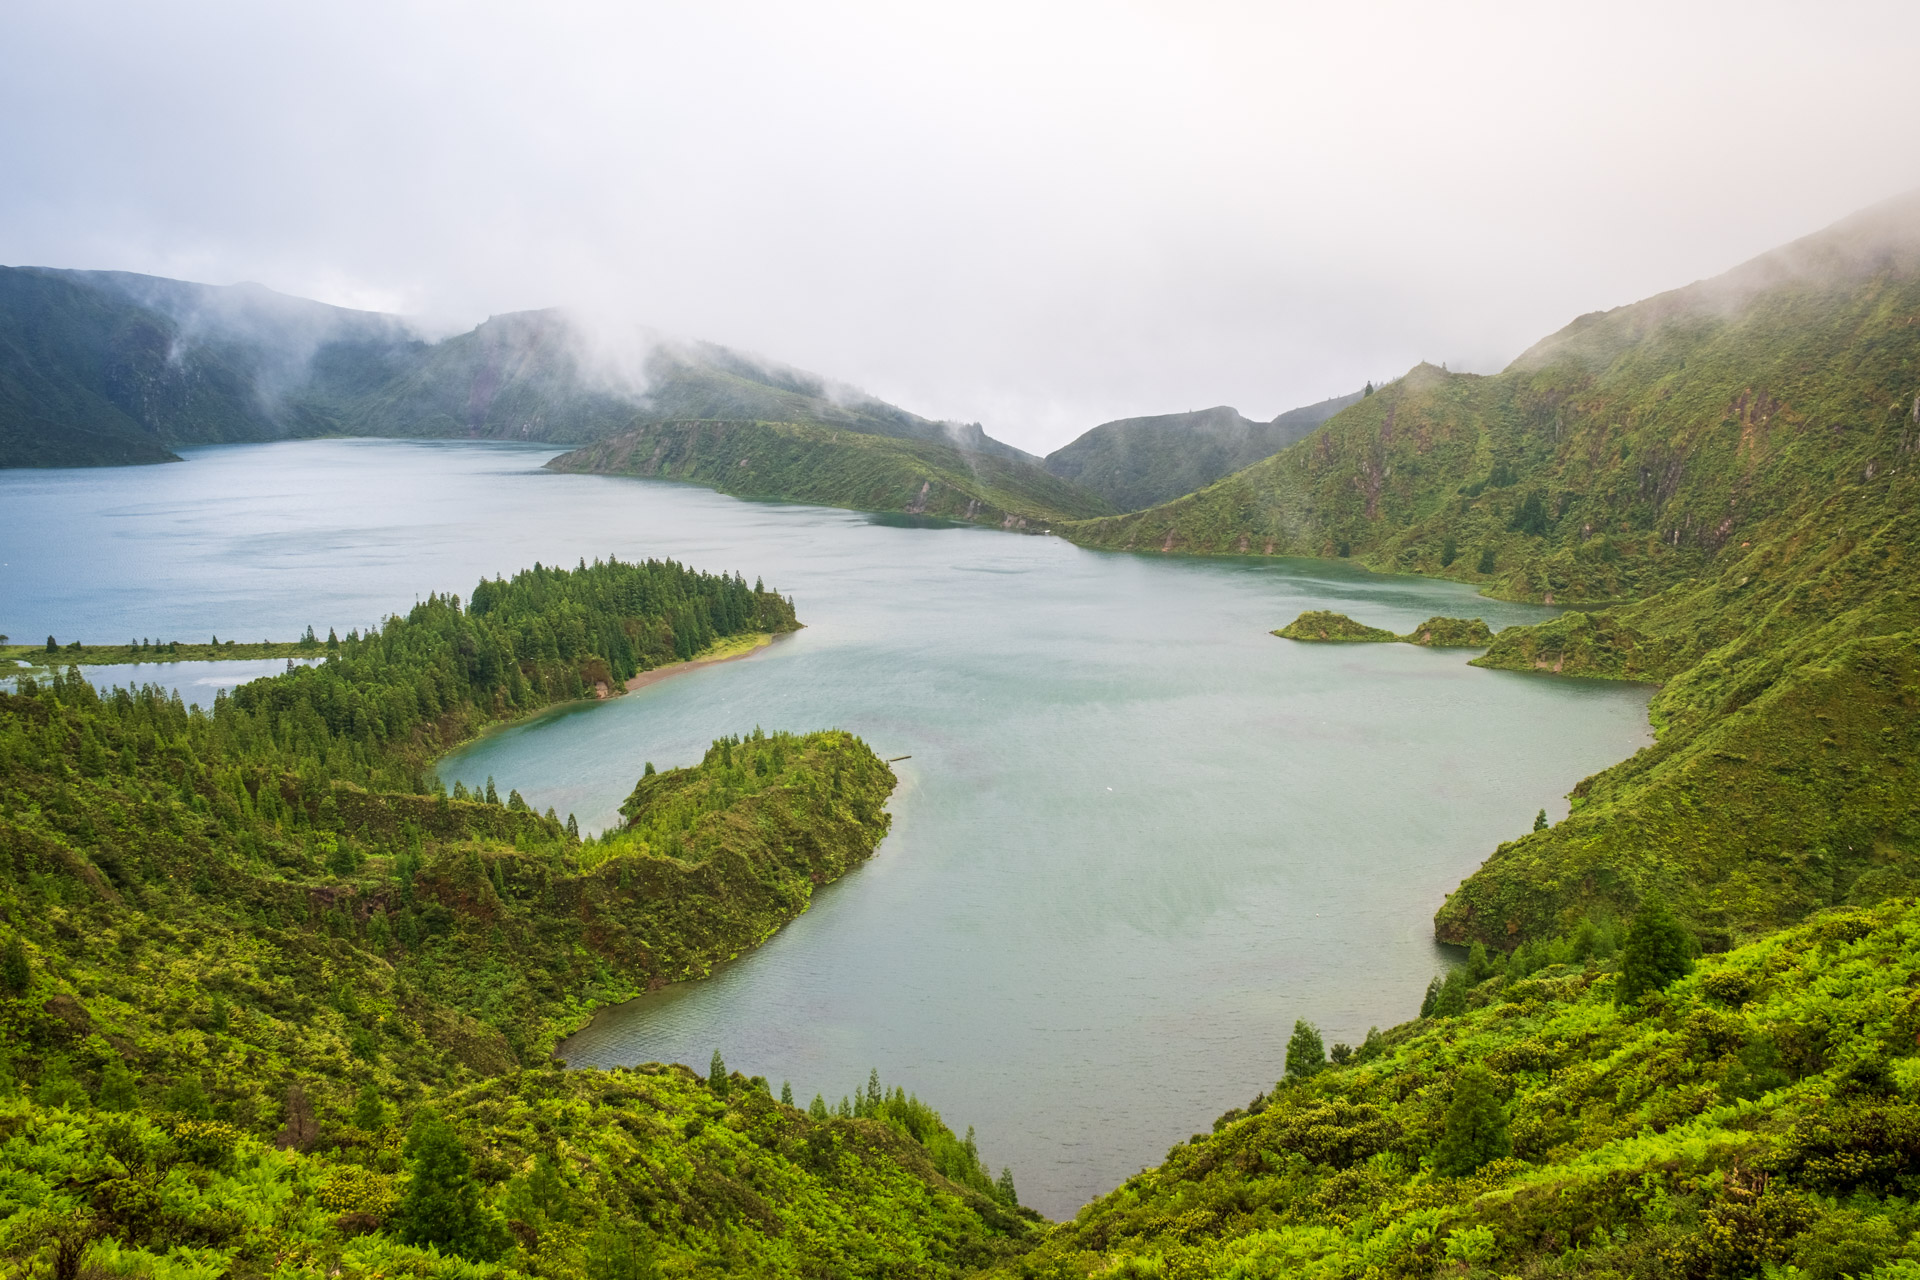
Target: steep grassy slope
[1763, 1112]
[1737, 461]
[801, 463]
[87, 379]
[1138, 462]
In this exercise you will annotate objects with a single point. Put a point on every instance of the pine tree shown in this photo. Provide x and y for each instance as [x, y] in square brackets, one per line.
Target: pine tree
[369, 1109]
[442, 1205]
[493, 797]
[1476, 1130]
[616, 1252]
[1659, 949]
[1451, 1001]
[573, 827]
[874, 1094]
[1306, 1052]
[817, 1109]
[1432, 997]
[57, 1086]
[717, 1079]
[15, 972]
[1004, 1187]
[786, 1093]
[1486, 561]
[118, 1089]
[1540, 820]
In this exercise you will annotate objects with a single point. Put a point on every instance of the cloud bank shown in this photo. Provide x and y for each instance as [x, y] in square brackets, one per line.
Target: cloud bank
[1034, 216]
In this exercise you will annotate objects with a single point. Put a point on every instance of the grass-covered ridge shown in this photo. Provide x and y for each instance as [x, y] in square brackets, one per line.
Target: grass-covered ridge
[1757, 1113]
[833, 467]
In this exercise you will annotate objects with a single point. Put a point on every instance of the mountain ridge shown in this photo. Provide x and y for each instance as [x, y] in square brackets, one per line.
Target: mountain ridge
[1135, 463]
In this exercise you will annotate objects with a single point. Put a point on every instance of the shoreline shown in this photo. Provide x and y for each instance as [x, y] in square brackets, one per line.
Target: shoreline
[640, 680]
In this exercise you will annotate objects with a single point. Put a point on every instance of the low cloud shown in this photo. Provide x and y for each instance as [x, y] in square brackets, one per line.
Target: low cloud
[1037, 217]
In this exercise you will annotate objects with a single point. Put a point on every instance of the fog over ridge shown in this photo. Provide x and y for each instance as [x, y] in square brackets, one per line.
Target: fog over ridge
[1037, 218]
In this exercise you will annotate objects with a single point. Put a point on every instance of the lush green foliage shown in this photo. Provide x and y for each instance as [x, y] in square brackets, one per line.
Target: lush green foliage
[246, 949]
[1762, 1111]
[839, 468]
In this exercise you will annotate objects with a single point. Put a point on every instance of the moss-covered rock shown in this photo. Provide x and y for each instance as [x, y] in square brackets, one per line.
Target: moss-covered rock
[1324, 625]
[1451, 633]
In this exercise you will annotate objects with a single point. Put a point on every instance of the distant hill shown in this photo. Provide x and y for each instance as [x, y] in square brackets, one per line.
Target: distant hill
[105, 368]
[1138, 462]
[843, 468]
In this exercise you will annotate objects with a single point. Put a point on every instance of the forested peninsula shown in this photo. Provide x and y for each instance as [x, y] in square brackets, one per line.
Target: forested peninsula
[275, 1003]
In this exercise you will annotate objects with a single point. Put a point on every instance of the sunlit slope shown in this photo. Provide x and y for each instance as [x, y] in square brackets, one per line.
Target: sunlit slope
[1756, 1114]
[798, 462]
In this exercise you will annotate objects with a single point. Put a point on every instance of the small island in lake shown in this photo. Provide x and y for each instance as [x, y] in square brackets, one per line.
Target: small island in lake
[1325, 626]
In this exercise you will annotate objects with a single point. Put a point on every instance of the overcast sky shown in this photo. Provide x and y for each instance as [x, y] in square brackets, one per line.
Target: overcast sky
[1037, 216]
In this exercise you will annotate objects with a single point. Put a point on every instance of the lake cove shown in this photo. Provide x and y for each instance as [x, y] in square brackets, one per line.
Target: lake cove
[1137, 836]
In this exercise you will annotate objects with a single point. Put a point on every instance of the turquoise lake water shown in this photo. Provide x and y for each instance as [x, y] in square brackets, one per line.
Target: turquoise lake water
[1137, 836]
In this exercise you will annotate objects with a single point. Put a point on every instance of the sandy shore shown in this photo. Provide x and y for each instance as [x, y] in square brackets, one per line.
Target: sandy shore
[729, 654]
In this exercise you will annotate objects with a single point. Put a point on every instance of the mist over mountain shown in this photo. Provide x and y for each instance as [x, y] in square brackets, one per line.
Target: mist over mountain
[1136, 463]
[108, 367]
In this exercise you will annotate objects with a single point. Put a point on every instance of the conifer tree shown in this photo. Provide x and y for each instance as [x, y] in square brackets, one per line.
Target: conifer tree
[573, 826]
[493, 797]
[817, 1109]
[717, 1079]
[1004, 1187]
[1476, 1129]
[1659, 949]
[1451, 1001]
[1306, 1052]
[15, 972]
[1540, 820]
[369, 1109]
[58, 1088]
[118, 1089]
[442, 1203]
[786, 1093]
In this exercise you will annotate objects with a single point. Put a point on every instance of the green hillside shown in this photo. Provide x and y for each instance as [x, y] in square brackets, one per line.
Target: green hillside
[1138, 462]
[1734, 464]
[801, 463]
[270, 1003]
[1757, 1116]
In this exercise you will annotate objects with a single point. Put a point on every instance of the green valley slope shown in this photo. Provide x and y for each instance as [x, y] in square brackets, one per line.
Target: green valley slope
[797, 462]
[1759, 1116]
[1735, 462]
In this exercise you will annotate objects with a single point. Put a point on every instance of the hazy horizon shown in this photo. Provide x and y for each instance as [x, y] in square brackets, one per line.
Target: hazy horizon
[1037, 218]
